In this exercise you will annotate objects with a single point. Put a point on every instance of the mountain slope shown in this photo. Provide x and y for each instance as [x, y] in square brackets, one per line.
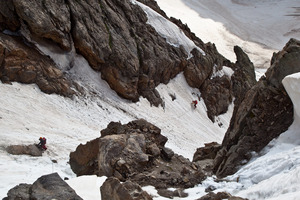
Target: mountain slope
[68, 122]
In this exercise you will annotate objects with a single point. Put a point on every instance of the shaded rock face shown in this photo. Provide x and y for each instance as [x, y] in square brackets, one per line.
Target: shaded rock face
[83, 160]
[19, 62]
[47, 187]
[136, 152]
[263, 115]
[31, 150]
[114, 190]
[209, 151]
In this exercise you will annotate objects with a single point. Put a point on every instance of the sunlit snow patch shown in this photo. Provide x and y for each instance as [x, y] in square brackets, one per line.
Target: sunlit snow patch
[225, 71]
[87, 187]
[168, 30]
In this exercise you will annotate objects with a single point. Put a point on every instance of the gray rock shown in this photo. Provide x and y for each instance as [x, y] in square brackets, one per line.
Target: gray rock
[21, 191]
[31, 150]
[50, 187]
[47, 187]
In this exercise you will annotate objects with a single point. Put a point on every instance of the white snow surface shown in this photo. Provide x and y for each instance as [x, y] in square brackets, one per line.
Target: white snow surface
[260, 27]
[168, 30]
[26, 113]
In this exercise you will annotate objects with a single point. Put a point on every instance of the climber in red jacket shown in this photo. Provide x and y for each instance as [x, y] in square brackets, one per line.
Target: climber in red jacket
[42, 143]
[195, 102]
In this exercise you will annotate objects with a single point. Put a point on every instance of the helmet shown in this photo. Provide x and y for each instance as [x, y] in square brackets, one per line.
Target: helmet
[41, 138]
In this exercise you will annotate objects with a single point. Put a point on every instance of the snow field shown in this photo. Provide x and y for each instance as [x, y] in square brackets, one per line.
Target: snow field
[258, 27]
[26, 114]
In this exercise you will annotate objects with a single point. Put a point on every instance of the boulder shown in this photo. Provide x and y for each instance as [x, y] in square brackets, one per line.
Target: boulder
[136, 152]
[21, 191]
[83, 160]
[47, 187]
[209, 151]
[31, 150]
[122, 153]
[265, 112]
[114, 190]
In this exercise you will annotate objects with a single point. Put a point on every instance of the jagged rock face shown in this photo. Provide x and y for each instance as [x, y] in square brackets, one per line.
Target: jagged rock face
[114, 190]
[136, 152]
[46, 19]
[117, 41]
[217, 95]
[8, 16]
[112, 35]
[244, 75]
[263, 115]
[31, 150]
[47, 187]
[19, 62]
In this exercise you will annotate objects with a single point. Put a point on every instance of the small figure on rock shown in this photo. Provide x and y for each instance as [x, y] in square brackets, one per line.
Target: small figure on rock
[194, 103]
[42, 143]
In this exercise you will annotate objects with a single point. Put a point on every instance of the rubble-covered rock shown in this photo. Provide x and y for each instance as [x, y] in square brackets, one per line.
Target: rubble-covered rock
[136, 152]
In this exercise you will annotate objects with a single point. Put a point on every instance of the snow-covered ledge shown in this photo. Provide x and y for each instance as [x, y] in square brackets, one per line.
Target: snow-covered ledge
[291, 84]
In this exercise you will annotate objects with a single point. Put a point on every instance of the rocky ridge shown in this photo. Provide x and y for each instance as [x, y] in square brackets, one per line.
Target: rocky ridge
[264, 113]
[115, 38]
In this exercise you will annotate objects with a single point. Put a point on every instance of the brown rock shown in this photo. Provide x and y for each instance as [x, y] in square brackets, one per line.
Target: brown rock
[83, 160]
[209, 151]
[21, 63]
[112, 189]
[263, 115]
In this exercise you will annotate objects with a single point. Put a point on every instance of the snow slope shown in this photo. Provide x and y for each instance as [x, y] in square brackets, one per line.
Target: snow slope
[260, 27]
[26, 114]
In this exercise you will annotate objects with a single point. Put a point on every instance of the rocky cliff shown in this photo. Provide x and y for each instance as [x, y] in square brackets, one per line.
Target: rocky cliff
[264, 113]
[116, 39]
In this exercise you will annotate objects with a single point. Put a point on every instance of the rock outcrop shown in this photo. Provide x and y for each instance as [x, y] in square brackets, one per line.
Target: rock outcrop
[116, 39]
[47, 187]
[113, 189]
[31, 150]
[264, 113]
[135, 152]
[22, 63]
